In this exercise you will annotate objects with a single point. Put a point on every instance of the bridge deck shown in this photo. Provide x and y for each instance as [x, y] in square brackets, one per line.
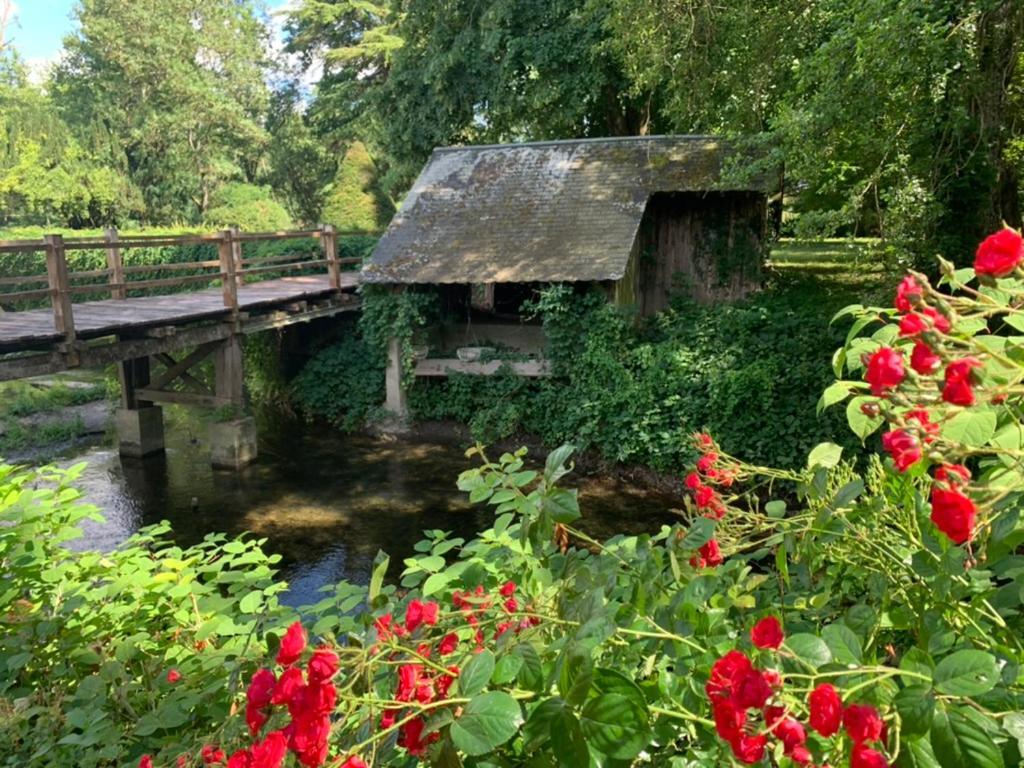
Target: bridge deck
[33, 328]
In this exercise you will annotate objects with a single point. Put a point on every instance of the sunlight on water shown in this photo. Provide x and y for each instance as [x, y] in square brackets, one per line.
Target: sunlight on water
[325, 502]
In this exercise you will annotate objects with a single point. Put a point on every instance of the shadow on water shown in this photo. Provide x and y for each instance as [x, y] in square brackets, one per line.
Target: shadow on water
[325, 502]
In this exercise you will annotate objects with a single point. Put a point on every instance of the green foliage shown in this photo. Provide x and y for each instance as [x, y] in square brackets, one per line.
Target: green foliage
[249, 207]
[355, 202]
[343, 383]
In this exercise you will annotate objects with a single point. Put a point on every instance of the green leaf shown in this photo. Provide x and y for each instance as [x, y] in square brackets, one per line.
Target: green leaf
[843, 643]
[430, 563]
[476, 674]
[835, 393]
[966, 673]
[251, 602]
[973, 427]
[775, 509]
[916, 706]
[537, 730]
[959, 743]
[701, 532]
[567, 740]
[435, 583]
[860, 423]
[380, 567]
[563, 505]
[916, 753]
[554, 467]
[824, 455]
[615, 725]
[810, 649]
[531, 673]
[487, 722]
[506, 669]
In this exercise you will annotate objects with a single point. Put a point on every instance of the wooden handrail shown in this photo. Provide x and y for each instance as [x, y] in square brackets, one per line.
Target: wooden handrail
[230, 267]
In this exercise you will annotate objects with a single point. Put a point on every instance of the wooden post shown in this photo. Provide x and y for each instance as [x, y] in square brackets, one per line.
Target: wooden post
[226, 254]
[236, 257]
[229, 378]
[115, 265]
[134, 375]
[330, 245]
[394, 388]
[57, 277]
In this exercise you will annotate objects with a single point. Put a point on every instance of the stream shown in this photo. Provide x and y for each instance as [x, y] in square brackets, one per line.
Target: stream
[325, 501]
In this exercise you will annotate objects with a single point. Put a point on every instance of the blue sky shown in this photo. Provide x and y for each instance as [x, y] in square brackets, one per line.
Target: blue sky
[40, 26]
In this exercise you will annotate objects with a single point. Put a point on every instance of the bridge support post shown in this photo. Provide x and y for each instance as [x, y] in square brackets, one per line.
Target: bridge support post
[395, 398]
[140, 424]
[233, 438]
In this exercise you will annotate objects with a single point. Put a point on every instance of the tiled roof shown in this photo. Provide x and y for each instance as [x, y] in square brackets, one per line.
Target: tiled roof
[545, 211]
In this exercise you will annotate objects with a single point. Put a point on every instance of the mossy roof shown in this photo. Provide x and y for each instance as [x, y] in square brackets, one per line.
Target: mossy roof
[544, 211]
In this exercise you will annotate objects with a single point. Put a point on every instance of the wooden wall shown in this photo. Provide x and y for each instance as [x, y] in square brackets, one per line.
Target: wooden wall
[709, 247]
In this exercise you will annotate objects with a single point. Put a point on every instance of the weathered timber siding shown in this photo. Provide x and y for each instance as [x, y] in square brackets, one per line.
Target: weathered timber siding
[705, 246]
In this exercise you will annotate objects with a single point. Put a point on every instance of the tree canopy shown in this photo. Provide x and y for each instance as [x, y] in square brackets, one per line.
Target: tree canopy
[899, 118]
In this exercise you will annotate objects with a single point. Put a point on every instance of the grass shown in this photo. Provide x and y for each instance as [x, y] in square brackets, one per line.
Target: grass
[21, 399]
[832, 273]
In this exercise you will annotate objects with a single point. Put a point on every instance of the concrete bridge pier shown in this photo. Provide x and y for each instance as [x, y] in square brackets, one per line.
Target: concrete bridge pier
[140, 423]
[233, 433]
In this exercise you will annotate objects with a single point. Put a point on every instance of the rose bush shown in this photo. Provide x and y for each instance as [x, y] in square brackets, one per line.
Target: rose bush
[855, 616]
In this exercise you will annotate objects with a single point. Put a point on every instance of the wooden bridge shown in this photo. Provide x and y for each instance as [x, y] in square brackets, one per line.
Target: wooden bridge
[157, 339]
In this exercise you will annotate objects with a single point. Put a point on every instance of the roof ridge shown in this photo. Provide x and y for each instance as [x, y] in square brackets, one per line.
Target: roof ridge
[587, 140]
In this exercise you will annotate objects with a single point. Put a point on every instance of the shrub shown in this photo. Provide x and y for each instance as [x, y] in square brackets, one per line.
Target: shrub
[355, 201]
[249, 207]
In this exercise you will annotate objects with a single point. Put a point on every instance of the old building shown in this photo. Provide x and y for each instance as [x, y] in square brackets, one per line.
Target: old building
[645, 218]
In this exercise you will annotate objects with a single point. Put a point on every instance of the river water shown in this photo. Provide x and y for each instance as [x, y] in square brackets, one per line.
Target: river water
[326, 502]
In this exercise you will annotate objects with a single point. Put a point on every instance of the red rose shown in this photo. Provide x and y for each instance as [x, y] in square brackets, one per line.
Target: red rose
[826, 709]
[270, 752]
[292, 645]
[323, 665]
[729, 719]
[953, 513]
[309, 736]
[999, 254]
[791, 733]
[261, 688]
[704, 440]
[800, 755]
[924, 423]
[145, 762]
[704, 496]
[865, 757]
[288, 686]
[916, 323]
[211, 755]
[862, 723]
[448, 644]
[725, 672]
[508, 589]
[885, 370]
[751, 690]
[419, 613]
[767, 633]
[173, 676]
[908, 293]
[904, 448]
[749, 749]
[693, 481]
[959, 380]
[924, 360]
[410, 736]
[444, 682]
[408, 680]
[953, 475]
[354, 762]
[240, 759]
[706, 462]
[709, 555]
[254, 718]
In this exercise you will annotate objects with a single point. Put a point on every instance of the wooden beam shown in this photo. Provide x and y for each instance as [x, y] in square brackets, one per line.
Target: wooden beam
[175, 369]
[115, 265]
[226, 254]
[446, 367]
[57, 277]
[182, 398]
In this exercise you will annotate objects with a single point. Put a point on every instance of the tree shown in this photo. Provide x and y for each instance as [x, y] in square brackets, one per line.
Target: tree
[171, 91]
[355, 201]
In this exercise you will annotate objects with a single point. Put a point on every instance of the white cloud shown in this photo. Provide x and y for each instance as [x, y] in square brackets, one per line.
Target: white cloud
[306, 77]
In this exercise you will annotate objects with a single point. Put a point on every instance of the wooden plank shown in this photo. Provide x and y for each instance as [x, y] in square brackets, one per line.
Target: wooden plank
[39, 293]
[448, 366]
[284, 267]
[22, 279]
[330, 245]
[172, 266]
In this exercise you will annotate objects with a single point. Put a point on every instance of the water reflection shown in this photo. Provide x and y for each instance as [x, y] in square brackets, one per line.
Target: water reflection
[325, 502]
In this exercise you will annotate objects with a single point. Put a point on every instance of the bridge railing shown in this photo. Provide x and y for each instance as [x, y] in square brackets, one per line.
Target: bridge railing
[231, 269]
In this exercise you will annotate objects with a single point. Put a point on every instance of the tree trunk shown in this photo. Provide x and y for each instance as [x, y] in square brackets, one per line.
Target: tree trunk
[1000, 35]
